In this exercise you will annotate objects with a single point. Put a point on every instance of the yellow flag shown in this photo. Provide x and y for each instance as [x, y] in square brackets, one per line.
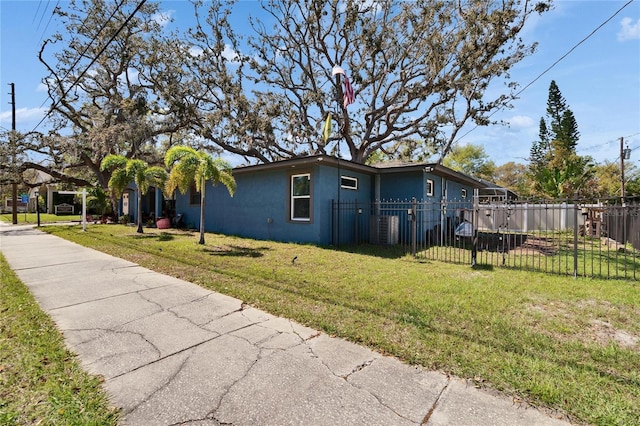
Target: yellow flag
[327, 128]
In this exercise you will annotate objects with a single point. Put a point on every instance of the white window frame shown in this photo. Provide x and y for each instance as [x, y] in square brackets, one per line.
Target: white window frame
[299, 197]
[349, 178]
[430, 187]
[464, 193]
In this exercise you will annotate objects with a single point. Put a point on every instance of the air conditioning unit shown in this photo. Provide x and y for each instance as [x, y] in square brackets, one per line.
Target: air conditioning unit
[384, 230]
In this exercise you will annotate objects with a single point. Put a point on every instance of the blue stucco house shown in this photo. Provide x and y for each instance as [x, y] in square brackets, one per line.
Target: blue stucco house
[321, 199]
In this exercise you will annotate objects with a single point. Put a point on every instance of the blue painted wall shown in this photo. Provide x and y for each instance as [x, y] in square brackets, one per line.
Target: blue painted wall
[260, 207]
[402, 186]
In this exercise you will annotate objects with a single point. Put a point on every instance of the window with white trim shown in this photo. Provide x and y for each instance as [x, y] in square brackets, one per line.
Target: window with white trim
[429, 188]
[464, 193]
[301, 197]
[348, 182]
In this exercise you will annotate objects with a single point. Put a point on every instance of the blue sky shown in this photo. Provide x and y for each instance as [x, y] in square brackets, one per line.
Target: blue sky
[600, 78]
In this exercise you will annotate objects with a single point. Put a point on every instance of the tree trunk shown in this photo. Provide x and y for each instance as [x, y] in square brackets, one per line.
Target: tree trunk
[139, 230]
[202, 188]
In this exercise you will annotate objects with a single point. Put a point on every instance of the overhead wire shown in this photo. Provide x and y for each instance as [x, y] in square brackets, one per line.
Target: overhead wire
[44, 12]
[553, 65]
[81, 55]
[593, 147]
[35, 15]
[574, 47]
[44, 31]
[142, 2]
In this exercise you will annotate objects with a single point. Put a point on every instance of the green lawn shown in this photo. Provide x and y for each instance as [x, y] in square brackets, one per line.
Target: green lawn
[40, 381]
[32, 218]
[567, 344]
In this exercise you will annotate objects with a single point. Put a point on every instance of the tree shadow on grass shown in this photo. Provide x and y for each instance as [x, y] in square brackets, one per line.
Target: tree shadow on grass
[482, 267]
[383, 251]
[163, 236]
[236, 251]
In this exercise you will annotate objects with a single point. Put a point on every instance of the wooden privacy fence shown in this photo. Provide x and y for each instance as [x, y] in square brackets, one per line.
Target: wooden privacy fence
[571, 238]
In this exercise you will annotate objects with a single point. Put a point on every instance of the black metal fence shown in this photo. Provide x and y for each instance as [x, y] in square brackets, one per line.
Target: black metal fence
[571, 238]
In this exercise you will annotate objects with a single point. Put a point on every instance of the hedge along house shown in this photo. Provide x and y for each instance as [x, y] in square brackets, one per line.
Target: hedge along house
[320, 199]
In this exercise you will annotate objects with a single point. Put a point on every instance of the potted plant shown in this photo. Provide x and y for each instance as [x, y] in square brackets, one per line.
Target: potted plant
[163, 223]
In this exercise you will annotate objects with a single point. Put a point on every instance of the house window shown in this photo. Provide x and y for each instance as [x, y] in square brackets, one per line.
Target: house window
[429, 188]
[194, 195]
[301, 197]
[464, 193]
[348, 182]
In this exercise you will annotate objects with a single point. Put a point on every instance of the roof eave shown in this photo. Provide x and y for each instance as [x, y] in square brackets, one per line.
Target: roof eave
[305, 162]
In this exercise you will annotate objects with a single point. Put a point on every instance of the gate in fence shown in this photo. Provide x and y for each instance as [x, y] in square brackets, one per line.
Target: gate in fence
[569, 238]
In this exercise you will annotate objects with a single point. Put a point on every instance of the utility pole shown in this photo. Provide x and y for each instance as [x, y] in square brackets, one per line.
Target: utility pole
[625, 154]
[14, 169]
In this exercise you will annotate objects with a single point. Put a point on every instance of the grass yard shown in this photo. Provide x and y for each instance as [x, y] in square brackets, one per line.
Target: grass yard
[40, 381]
[569, 345]
[32, 218]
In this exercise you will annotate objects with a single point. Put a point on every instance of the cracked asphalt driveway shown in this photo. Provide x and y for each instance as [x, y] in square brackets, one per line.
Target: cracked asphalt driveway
[174, 353]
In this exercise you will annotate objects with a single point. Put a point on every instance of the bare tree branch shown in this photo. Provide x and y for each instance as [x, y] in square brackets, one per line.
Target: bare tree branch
[420, 68]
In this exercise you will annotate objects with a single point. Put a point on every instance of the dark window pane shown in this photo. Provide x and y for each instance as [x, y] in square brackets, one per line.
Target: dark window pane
[194, 196]
[349, 182]
[301, 208]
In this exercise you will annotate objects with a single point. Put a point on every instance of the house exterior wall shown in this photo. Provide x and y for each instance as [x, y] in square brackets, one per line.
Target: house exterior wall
[190, 212]
[344, 222]
[129, 204]
[451, 211]
[402, 186]
[261, 205]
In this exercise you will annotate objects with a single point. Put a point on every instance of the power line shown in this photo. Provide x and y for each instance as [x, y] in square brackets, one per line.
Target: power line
[574, 48]
[553, 65]
[125, 23]
[43, 13]
[49, 21]
[81, 55]
[36, 14]
[593, 147]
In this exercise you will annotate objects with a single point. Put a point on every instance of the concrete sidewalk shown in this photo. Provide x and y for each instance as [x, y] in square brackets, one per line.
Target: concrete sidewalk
[172, 352]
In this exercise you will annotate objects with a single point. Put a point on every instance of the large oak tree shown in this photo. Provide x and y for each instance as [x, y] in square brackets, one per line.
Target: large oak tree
[420, 69]
[104, 99]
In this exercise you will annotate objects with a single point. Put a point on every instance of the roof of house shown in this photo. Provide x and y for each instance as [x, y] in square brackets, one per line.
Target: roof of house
[382, 168]
[301, 162]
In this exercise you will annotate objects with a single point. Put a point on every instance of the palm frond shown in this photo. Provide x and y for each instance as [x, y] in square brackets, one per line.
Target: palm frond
[113, 161]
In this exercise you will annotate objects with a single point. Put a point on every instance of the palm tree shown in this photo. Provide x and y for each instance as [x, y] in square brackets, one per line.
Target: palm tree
[189, 166]
[126, 170]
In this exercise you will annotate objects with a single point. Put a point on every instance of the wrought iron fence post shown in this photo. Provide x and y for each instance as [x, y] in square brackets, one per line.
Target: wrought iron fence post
[575, 238]
[414, 226]
[333, 229]
[474, 226]
[357, 211]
